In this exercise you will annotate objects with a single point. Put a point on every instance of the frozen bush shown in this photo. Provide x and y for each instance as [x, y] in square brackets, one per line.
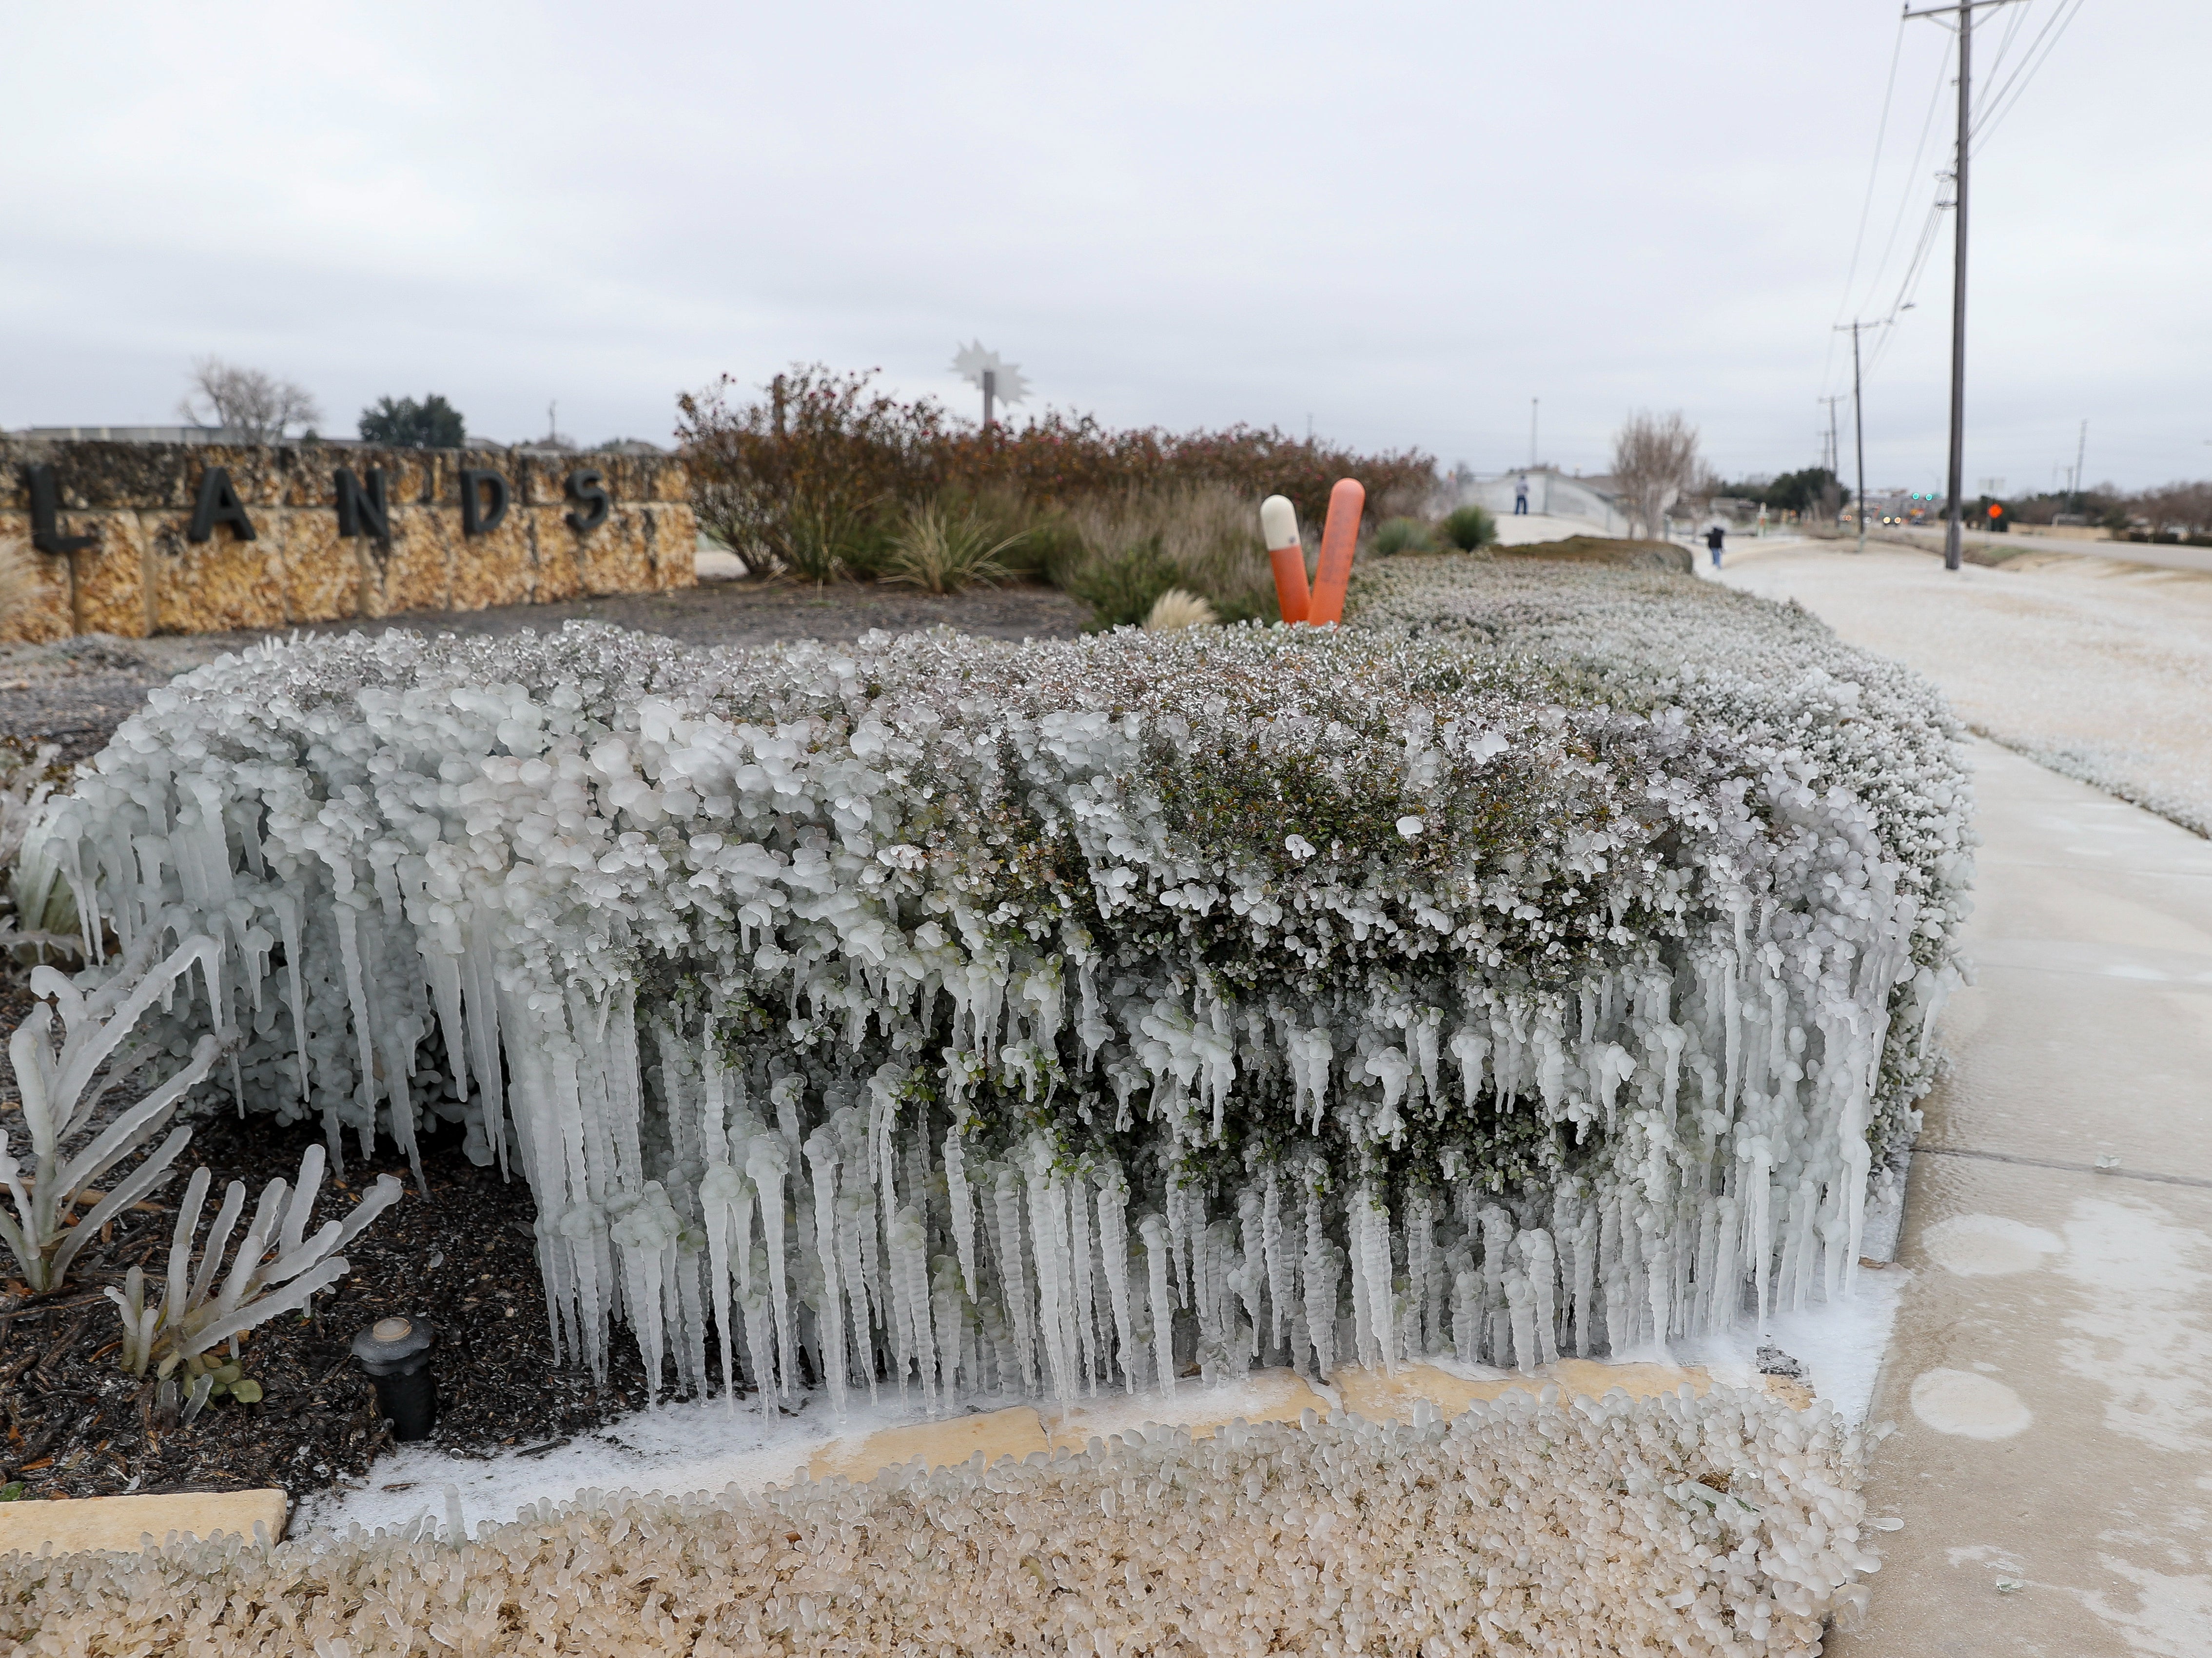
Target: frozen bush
[960, 1015]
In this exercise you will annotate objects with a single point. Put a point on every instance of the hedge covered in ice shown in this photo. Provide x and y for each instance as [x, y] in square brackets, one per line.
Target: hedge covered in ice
[1722, 1526]
[944, 1012]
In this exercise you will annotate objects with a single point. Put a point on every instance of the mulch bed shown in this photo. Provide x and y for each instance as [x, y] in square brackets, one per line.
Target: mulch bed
[76, 1424]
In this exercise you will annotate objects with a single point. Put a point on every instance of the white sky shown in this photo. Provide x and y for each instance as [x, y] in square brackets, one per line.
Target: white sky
[1402, 220]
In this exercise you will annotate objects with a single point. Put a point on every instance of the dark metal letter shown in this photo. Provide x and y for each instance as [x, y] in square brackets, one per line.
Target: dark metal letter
[45, 521]
[218, 504]
[588, 490]
[363, 512]
[478, 517]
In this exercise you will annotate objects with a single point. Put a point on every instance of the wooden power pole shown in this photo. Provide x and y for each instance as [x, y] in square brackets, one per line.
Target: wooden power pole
[1963, 10]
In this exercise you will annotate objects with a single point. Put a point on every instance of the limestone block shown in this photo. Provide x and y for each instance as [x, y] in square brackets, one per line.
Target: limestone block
[500, 569]
[324, 571]
[112, 594]
[615, 557]
[562, 561]
[672, 543]
[44, 612]
[74, 1523]
[217, 584]
[261, 473]
[416, 572]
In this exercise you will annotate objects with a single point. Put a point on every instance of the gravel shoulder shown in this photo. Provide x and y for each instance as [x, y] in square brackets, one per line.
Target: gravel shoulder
[2092, 667]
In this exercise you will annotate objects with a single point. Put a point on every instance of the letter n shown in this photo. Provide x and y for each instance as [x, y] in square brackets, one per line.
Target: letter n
[363, 511]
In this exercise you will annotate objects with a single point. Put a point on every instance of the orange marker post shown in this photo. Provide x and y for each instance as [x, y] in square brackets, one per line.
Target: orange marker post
[1279, 526]
[1339, 536]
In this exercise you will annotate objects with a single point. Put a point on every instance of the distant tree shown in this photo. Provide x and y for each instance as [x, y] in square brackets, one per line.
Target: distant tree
[1806, 491]
[404, 423]
[256, 405]
[1654, 463]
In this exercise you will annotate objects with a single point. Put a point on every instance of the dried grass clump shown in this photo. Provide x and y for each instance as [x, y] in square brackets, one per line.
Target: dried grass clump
[1721, 1526]
[1176, 609]
[1203, 538]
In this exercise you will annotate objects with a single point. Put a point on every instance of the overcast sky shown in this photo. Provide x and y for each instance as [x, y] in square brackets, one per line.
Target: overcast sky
[1400, 221]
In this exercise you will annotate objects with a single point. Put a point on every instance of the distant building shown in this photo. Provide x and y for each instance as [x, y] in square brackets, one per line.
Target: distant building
[142, 433]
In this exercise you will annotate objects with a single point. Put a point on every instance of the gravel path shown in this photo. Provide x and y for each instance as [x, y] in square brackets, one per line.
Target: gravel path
[77, 692]
[2097, 669]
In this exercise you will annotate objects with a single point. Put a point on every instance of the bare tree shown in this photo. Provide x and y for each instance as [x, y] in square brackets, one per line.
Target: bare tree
[1655, 462]
[257, 406]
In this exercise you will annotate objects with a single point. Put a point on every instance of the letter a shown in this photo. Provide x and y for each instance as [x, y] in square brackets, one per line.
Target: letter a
[218, 504]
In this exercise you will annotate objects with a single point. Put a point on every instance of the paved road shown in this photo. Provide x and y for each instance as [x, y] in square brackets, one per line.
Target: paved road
[2052, 1368]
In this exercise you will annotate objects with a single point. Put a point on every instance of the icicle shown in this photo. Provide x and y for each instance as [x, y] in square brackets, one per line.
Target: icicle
[767, 1159]
[963, 1210]
[1014, 1279]
[1543, 1272]
[1153, 1230]
[1113, 1249]
[1282, 1264]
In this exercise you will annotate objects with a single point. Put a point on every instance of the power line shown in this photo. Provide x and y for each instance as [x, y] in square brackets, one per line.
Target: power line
[1904, 196]
[2010, 95]
[1874, 174]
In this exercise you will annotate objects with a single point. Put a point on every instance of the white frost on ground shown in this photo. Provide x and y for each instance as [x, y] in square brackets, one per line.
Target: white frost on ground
[2095, 668]
[705, 1446]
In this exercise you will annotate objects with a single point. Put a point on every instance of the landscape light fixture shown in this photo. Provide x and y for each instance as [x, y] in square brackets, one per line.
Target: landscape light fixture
[395, 1355]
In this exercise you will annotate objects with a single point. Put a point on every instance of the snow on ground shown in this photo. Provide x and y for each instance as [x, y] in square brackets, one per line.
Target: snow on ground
[707, 1445]
[2096, 668]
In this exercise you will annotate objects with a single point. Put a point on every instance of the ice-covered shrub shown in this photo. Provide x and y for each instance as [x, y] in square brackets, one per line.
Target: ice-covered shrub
[1719, 1527]
[1048, 1017]
[62, 1084]
[277, 1266]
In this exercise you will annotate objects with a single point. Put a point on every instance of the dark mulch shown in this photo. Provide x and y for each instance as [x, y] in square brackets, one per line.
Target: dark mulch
[78, 1425]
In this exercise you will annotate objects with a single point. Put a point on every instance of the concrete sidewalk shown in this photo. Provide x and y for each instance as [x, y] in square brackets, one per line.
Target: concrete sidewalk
[2051, 1374]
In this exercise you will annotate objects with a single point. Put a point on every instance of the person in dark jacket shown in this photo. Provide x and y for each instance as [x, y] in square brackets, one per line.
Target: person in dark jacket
[1713, 538]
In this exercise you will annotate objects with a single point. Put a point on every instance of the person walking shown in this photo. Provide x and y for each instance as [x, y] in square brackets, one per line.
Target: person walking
[1713, 539]
[1521, 496]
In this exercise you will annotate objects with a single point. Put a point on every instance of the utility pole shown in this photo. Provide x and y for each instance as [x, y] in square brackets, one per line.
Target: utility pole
[1858, 416]
[1964, 12]
[1532, 431]
[1835, 449]
[2080, 452]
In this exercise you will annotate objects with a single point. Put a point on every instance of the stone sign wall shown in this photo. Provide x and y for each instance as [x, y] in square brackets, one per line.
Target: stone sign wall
[139, 538]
